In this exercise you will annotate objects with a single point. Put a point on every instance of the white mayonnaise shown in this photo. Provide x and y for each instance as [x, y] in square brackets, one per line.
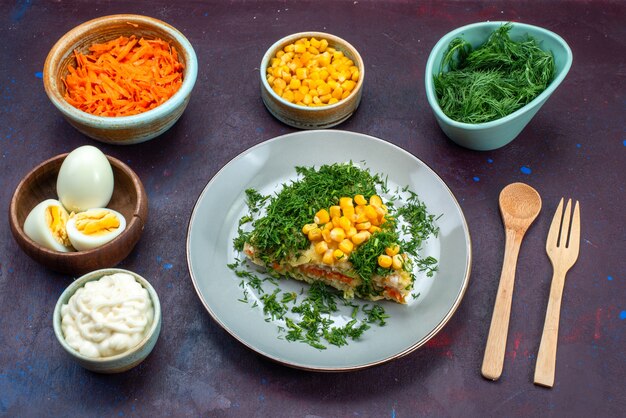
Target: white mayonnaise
[107, 316]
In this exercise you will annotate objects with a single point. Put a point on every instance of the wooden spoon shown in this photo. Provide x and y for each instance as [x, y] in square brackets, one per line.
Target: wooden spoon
[519, 205]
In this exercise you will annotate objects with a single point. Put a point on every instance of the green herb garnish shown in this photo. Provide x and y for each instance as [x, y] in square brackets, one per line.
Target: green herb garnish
[493, 80]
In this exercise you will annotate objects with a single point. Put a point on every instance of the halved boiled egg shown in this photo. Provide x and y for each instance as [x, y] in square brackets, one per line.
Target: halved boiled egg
[45, 225]
[94, 227]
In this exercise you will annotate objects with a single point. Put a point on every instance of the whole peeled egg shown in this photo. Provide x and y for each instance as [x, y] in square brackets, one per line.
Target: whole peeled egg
[85, 180]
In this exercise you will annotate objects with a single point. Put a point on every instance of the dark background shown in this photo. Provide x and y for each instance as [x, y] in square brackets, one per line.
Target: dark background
[575, 146]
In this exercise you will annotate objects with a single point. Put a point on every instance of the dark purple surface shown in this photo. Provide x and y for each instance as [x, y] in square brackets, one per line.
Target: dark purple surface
[575, 146]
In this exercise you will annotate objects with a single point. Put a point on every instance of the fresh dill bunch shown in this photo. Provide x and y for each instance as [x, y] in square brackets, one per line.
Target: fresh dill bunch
[494, 80]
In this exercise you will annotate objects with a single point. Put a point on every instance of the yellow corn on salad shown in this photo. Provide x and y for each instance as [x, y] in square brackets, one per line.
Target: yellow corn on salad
[335, 232]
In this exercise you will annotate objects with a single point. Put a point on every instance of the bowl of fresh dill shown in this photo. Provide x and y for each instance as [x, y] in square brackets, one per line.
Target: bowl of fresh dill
[486, 81]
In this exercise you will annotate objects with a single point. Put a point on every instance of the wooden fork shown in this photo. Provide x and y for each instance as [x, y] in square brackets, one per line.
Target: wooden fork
[562, 247]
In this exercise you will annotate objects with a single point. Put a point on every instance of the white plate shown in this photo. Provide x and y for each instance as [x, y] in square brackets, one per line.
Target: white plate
[267, 166]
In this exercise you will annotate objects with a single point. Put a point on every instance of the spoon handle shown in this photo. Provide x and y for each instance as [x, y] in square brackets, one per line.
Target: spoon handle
[496, 341]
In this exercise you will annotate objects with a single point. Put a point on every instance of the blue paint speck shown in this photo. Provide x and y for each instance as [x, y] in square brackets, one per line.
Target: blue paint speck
[168, 266]
[476, 178]
[525, 170]
[39, 74]
[609, 278]
[578, 145]
[622, 315]
[158, 258]
[624, 142]
[261, 398]
[489, 160]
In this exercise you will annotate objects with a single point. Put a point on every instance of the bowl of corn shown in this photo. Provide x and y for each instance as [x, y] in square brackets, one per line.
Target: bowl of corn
[312, 80]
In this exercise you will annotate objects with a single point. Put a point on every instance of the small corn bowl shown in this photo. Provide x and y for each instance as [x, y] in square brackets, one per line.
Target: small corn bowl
[304, 117]
[123, 130]
[120, 362]
[498, 133]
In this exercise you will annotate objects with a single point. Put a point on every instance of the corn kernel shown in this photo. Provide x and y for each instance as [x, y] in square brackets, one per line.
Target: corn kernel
[376, 201]
[351, 232]
[363, 226]
[315, 234]
[360, 237]
[384, 261]
[370, 212]
[345, 201]
[396, 262]
[322, 216]
[321, 247]
[338, 254]
[348, 212]
[346, 246]
[337, 234]
[345, 223]
[288, 95]
[373, 229]
[360, 200]
[392, 250]
[335, 211]
[307, 228]
[328, 258]
[326, 235]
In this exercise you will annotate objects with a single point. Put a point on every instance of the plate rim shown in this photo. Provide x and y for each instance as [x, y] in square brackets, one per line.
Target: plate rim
[457, 300]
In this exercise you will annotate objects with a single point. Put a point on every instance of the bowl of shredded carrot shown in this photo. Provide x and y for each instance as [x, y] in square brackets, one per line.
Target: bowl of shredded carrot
[121, 79]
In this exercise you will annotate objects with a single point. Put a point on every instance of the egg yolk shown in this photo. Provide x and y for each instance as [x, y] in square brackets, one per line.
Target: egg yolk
[56, 220]
[96, 223]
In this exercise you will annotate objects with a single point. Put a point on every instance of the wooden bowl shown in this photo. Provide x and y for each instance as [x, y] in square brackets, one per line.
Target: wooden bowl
[121, 130]
[129, 198]
[303, 117]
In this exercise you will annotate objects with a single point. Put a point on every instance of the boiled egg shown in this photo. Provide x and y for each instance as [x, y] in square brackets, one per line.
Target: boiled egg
[85, 180]
[45, 225]
[94, 227]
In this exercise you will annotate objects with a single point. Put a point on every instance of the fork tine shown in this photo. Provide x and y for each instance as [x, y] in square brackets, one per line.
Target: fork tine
[574, 235]
[555, 227]
[563, 234]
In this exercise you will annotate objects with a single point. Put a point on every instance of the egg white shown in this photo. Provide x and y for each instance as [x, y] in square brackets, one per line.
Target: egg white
[36, 226]
[85, 179]
[83, 242]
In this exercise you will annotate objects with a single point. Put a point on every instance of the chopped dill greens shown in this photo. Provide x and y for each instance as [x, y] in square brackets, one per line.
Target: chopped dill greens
[364, 258]
[419, 224]
[273, 229]
[375, 315]
[492, 80]
[272, 307]
[427, 264]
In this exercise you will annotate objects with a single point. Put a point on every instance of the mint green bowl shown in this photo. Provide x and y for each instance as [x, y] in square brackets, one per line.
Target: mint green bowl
[495, 134]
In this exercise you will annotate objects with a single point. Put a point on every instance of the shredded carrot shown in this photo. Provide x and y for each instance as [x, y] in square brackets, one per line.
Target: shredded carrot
[123, 77]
